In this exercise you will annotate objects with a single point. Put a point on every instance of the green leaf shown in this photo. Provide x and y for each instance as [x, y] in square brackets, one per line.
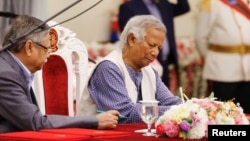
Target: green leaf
[189, 120]
[211, 95]
[185, 135]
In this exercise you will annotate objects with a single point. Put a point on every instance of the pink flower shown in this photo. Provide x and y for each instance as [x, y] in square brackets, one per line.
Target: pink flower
[172, 129]
[211, 122]
[195, 119]
[238, 119]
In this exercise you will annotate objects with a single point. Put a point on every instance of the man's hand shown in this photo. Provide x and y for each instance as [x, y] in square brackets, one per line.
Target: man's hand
[108, 120]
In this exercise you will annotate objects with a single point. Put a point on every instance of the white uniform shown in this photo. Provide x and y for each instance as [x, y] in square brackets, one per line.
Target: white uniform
[223, 39]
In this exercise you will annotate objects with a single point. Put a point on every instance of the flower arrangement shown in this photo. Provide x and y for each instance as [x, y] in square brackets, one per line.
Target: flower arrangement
[190, 119]
[187, 120]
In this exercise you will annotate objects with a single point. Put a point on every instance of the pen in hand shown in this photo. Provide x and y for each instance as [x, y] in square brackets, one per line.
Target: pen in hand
[120, 116]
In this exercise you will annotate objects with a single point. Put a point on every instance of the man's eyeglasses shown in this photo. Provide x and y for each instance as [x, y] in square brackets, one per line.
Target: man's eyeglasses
[48, 49]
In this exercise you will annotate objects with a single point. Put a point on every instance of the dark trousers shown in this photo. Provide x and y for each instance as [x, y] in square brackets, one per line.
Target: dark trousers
[165, 74]
[239, 91]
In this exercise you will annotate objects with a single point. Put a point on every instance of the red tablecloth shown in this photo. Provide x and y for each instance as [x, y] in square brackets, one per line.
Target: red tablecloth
[138, 136]
[123, 132]
[41, 136]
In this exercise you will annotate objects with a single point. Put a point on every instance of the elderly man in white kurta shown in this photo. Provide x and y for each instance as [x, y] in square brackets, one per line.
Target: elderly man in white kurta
[223, 39]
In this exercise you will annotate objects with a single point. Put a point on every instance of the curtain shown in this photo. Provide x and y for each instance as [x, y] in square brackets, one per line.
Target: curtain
[20, 7]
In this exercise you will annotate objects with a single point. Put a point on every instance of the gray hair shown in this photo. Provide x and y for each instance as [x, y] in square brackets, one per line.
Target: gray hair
[137, 25]
[19, 27]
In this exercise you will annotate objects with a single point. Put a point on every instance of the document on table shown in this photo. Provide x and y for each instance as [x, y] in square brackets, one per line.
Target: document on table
[145, 130]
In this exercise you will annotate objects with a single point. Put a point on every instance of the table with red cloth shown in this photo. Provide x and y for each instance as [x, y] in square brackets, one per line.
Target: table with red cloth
[123, 132]
[139, 137]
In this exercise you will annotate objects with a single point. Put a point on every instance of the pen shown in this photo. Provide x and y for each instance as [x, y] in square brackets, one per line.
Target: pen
[120, 116]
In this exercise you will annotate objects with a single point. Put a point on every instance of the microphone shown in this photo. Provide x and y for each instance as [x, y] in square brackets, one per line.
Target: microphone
[39, 26]
[8, 15]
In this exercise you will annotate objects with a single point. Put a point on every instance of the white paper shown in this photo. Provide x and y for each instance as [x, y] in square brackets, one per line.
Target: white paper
[145, 130]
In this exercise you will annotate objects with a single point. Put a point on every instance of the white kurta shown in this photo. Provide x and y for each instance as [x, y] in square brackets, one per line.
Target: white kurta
[219, 24]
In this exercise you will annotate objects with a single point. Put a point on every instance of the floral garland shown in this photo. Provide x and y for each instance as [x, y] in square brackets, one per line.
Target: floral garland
[190, 119]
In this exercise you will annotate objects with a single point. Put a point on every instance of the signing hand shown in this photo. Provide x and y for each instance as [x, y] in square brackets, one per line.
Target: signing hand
[108, 119]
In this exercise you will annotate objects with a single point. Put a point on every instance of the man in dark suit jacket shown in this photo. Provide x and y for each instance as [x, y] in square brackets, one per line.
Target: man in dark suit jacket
[20, 57]
[167, 10]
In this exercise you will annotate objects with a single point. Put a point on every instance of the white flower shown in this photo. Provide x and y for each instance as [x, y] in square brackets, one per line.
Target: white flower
[222, 118]
[198, 131]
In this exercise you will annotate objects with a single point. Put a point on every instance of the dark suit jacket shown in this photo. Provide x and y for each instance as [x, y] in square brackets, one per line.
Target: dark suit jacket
[168, 12]
[17, 111]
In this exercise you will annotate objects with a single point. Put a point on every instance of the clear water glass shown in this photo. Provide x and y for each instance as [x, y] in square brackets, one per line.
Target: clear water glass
[149, 114]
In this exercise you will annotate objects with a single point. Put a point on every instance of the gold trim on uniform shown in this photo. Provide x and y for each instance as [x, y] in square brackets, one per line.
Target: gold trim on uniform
[205, 5]
[241, 49]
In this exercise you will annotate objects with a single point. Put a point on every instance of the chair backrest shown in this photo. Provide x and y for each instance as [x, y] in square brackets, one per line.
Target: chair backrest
[59, 85]
[56, 85]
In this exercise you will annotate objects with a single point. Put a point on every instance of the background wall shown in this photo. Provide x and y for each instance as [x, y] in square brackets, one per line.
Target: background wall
[94, 25]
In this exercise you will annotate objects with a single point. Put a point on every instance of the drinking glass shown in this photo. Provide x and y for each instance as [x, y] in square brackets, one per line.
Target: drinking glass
[149, 114]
